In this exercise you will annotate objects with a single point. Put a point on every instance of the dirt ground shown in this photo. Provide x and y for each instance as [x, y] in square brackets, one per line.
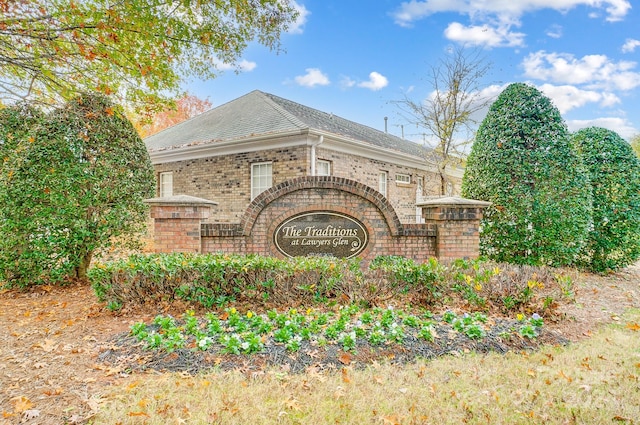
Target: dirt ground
[50, 340]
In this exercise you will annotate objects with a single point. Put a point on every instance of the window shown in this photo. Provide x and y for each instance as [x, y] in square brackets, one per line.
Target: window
[419, 198]
[260, 178]
[166, 184]
[382, 182]
[403, 178]
[449, 189]
[323, 168]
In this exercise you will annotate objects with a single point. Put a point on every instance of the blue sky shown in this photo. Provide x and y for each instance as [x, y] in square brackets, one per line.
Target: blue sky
[355, 58]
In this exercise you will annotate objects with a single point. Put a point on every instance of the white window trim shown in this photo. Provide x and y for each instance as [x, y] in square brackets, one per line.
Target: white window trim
[403, 178]
[318, 168]
[165, 183]
[268, 180]
[383, 178]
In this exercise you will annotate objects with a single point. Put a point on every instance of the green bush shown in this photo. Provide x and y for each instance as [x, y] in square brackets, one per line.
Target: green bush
[614, 171]
[522, 161]
[216, 279]
[74, 184]
[211, 280]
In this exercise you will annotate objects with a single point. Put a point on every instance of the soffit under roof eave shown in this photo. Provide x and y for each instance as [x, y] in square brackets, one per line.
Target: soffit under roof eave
[367, 150]
[228, 147]
[288, 139]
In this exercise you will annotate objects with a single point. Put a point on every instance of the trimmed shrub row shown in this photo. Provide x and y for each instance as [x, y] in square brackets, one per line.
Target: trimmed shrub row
[209, 280]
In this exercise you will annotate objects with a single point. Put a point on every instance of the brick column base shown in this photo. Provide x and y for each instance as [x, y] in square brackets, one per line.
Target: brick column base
[457, 222]
[177, 221]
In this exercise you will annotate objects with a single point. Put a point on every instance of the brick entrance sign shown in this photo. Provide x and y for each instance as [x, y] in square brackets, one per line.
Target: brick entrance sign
[320, 215]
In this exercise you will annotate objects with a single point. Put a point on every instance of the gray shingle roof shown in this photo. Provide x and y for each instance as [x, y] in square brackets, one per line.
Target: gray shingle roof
[258, 113]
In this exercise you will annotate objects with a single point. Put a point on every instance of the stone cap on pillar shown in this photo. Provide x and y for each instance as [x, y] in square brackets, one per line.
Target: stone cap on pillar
[452, 208]
[452, 201]
[180, 206]
[180, 201]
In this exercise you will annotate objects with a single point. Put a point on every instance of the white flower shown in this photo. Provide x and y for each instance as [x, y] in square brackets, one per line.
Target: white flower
[204, 342]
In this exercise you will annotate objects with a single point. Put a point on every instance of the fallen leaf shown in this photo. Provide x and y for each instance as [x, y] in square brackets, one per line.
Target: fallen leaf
[345, 376]
[562, 375]
[345, 358]
[620, 419]
[633, 326]
[391, 420]
[31, 414]
[21, 404]
[586, 388]
[138, 414]
[57, 391]
[48, 345]
[292, 404]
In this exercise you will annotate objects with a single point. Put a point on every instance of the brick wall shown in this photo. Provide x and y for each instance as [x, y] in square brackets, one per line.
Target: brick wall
[450, 231]
[177, 227]
[227, 179]
[365, 170]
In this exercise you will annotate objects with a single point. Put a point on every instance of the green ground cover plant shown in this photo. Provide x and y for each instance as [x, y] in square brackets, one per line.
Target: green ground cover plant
[233, 332]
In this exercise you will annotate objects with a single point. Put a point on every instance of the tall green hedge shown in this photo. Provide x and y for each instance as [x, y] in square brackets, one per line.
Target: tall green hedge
[522, 162]
[75, 181]
[614, 171]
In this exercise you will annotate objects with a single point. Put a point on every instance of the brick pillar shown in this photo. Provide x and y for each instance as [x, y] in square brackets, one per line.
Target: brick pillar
[457, 222]
[176, 222]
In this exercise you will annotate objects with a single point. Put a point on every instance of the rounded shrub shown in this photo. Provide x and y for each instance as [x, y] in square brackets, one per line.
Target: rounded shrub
[75, 184]
[614, 171]
[522, 161]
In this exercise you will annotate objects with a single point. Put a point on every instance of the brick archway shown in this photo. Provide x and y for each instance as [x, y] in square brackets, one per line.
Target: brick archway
[320, 182]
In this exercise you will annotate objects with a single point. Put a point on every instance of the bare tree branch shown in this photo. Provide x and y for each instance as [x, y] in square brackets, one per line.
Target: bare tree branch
[446, 117]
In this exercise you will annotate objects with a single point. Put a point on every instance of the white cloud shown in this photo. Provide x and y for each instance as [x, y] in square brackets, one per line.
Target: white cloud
[504, 10]
[566, 97]
[596, 71]
[313, 77]
[630, 45]
[484, 35]
[242, 66]
[376, 82]
[620, 125]
[347, 82]
[301, 20]
[554, 31]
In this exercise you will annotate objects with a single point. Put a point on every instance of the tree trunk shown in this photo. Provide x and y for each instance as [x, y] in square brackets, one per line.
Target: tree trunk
[81, 269]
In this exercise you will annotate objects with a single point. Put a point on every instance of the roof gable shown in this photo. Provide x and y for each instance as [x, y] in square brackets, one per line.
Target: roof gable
[258, 113]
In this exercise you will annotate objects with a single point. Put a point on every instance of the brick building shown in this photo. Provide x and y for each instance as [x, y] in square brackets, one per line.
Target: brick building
[234, 152]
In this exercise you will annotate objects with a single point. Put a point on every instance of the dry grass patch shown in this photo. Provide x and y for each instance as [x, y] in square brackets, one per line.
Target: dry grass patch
[592, 382]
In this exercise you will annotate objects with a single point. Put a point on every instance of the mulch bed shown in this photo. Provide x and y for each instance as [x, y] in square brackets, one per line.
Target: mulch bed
[126, 354]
